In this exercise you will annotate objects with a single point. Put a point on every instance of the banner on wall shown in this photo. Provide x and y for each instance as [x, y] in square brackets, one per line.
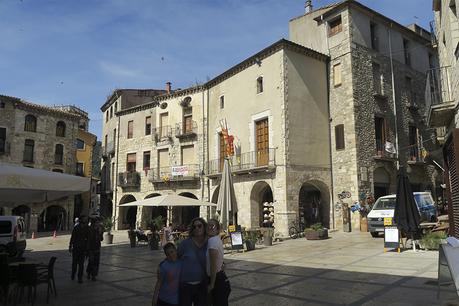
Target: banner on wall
[180, 170]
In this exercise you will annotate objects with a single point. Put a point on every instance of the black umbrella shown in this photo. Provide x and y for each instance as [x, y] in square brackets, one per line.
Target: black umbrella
[406, 214]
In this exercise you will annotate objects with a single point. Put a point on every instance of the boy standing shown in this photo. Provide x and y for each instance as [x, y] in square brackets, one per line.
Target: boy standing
[167, 285]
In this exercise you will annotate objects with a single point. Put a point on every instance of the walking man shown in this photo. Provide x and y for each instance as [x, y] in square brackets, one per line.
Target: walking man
[78, 247]
[94, 239]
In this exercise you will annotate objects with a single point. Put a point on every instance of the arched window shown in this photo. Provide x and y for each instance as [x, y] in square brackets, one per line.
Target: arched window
[59, 154]
[30, 124]
[60, 129]
[28, 150]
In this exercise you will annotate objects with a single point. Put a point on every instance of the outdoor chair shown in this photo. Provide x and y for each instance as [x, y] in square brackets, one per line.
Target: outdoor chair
[26, 278]
[141, 237]
[45, 275]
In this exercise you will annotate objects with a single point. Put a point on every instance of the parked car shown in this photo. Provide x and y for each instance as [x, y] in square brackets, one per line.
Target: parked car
[384, 208]
[12, 235]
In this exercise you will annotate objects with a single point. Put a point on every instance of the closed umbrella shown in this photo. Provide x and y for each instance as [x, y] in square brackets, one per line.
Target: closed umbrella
[406, 214]
[226, 203]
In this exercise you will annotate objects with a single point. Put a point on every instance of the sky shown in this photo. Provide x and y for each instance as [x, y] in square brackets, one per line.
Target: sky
[60, 52]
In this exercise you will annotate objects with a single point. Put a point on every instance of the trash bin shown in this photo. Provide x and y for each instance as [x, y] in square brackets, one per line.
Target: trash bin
[346, 218]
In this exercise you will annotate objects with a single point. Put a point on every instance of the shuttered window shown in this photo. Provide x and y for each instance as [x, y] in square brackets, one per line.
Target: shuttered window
[188, 157]
[131, 162]
[337, 74]
[339, 137]
[335, 26]
[130, 131]
[148, 125]
[451, 151]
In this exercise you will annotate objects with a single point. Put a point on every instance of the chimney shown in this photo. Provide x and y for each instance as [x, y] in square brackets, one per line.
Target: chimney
[308, 6]
[168, 87]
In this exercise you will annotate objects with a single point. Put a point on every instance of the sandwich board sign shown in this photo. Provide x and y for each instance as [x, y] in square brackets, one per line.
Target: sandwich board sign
[236, 238]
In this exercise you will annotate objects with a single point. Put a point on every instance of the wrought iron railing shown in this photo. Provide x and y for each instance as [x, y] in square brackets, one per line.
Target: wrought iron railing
[129, 179]
[416, 154]
[381, 149]
[438, 86]
[245, 161]
[186, 128]
[174, 173]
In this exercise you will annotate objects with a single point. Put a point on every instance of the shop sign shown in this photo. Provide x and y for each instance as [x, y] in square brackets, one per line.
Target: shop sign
[180, 170]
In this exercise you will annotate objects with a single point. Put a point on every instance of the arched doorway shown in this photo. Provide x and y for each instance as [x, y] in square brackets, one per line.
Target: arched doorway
[23, 211]
[149, 213]
[261, 193]
[182, 216]
[381, 182]
[314, 204]
[53, 218]
[127, 215]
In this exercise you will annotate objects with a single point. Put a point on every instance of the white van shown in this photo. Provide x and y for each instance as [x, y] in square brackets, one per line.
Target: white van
[12, 235]
[384, 208]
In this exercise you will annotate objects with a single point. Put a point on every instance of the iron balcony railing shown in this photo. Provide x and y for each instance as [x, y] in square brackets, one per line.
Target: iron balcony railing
[438, 86]
[129, 179]
[381, 149]
[186, 129]
[162, 133]
[174, 173]
[245, 161]
[416, 154]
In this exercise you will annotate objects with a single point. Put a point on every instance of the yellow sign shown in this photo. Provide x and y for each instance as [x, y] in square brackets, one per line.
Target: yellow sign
[231, 228]
[387, 221]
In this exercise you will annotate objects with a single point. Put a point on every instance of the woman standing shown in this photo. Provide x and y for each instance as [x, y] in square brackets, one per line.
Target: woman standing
[193, 277]
[219, 285]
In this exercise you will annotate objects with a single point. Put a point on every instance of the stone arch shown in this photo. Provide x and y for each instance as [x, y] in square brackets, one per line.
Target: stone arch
[381, 182]
[127, 215]
[261, 193]
[151, 212]
[314, 203]
[23, 211]
[182, 216]
[52, 218]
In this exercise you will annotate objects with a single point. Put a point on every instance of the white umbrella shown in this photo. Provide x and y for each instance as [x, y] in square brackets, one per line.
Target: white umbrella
[226, 203]
[172, 200]
[20, 184]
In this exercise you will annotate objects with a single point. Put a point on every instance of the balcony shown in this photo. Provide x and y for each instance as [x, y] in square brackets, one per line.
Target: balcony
[415, 155]
[162, 134]
[4, 147]
[440, 103]
[108, 149]
[186, 130]
[381, 153]
[249, 162]
[129, 179]
[188, 172]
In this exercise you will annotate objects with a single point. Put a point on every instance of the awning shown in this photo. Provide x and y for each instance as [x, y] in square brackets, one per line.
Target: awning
[172, 200]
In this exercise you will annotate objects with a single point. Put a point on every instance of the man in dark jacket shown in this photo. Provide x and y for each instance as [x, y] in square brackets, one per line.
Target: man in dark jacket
[78, 247]
[94, 239]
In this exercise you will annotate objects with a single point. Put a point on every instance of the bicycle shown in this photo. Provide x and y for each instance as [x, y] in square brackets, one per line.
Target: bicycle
[296, 230]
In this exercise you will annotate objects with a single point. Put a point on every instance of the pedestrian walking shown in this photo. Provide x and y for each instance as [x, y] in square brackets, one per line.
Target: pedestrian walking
[193, 277]
[219, 285]
[95, 236]
[167, 285]
[78, 248]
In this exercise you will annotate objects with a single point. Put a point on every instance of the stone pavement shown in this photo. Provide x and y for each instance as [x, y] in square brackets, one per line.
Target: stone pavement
[348, 269]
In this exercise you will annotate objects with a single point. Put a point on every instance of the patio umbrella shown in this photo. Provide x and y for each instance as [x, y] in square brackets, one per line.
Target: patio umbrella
[406, 213]
[226, 203]
[20, 184]
[172, 200]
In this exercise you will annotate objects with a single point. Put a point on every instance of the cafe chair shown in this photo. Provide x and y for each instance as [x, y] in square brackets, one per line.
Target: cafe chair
[45, 275]
[141, 237]
[26, 278]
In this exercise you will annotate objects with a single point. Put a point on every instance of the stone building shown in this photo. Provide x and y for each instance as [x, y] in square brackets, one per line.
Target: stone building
[41, 137]
[443, 99]
[274, 103]
[377, 80]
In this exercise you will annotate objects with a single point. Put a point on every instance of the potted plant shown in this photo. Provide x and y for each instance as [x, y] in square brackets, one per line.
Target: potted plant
[250, 238]
[107, 224]
[431, 241]
[316, 232]
[155, 226]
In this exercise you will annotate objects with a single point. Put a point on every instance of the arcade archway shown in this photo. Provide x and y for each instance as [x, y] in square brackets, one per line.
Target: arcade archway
[149, 213]
[52, 218]
[182, 216]
[261, 193]
[127, 215]
[314, 204]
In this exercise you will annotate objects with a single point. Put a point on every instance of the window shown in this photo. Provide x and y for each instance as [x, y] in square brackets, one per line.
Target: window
[2, 104]
[106, 116]
[187, 120]
[164, 125]
[59, 154]
[334, 26]
[60, 129]
[409, 91]
[452, 6]
[188, 155]
[377, 79]
[148, 125]
[111, 111]
[406, 52]
[146, 160]
[2, 140]
[58, 170]
[130, 130]
[413, 139]
[373, 36]
[114, 139]
[30, 123]
[380, 135]
[80, 144]
[259, 85]
[339, 137]
[28, 150]
[222, 102]
[116, 106]
[80, 169]
[337, 74]
[131, 162]
[106, 140]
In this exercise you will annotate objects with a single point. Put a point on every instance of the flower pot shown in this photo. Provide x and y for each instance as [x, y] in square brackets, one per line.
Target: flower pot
[316, 235]
[250, 245]
[108, 238]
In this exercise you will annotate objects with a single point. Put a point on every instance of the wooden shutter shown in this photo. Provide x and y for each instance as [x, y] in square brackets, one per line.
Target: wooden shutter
[130, 129]
[163, 123]
[163, 158]
[188, 157]
[262, 141]
[451, 152]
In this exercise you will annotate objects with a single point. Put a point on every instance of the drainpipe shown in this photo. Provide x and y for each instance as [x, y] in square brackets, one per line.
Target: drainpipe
[116, 171]
[207, 144]
[393, 97]
[330, 152]
[203, 152]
